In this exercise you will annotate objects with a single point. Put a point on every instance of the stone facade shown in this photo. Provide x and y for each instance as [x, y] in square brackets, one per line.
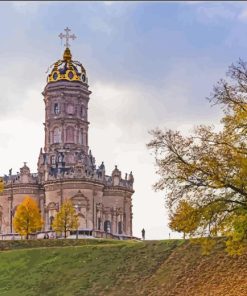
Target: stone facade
[66, 166]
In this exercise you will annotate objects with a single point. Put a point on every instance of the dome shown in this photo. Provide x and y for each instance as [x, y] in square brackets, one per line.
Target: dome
[67, 69]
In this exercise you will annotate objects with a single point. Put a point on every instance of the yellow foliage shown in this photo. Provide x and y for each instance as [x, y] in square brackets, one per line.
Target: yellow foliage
[66, 219]
[208, 169]
[185, 219]
[27, 218]
[207, 244]
[237, 233]
[1, 185]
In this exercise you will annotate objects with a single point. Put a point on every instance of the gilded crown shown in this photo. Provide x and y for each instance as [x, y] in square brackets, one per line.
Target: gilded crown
[67, 69]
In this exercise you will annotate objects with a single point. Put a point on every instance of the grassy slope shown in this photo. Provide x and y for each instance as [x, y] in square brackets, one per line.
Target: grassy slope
[189, 273]
[96, 268]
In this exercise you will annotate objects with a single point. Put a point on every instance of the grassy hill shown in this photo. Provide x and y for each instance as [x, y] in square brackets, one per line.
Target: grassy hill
[107, 267]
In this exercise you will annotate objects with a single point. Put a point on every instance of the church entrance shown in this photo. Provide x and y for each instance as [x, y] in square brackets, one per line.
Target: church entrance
[82, 221]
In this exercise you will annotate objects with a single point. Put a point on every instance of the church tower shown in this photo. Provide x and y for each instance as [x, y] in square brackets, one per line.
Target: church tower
[66, 98]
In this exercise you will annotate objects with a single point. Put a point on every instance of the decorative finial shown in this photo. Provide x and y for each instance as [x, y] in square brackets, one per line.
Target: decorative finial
[67, 36]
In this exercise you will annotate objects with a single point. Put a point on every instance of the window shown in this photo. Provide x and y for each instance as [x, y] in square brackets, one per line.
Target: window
[60, 157]
[120, 231]
[82, 111]
[56, 108]
[51, 221]
[70, 134]
[56, 135]
[107, 226]
[81, 136]
[53, 159]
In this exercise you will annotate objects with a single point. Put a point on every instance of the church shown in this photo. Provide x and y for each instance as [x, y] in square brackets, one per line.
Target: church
[66, 168]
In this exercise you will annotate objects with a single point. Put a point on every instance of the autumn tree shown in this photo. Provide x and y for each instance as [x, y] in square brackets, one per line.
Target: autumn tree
[185, 219]
[1, 185]
[209, 169]
[27, 217]
[66, 219]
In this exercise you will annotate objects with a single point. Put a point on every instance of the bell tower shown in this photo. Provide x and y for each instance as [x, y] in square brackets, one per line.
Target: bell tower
[66, 97]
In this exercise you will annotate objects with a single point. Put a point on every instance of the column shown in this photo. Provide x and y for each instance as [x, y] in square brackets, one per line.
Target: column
[10, 199]
[42, 205]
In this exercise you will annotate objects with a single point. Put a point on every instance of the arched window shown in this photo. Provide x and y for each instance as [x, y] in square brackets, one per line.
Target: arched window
[70, 134]
[82, 111]
[52, 209]
[51, 221]
[107, 226]
[56, 108]
[53, 159]
[120, 230]
[56, 135]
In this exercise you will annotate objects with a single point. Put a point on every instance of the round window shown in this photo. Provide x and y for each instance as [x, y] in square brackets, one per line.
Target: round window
[71, 75]
[55, 76]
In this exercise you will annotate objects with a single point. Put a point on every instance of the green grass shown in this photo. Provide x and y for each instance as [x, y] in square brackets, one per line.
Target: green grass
[23, 244]
[88, 267]
[118, 268]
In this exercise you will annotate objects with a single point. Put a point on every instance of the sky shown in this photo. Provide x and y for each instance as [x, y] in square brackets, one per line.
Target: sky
[149, 64]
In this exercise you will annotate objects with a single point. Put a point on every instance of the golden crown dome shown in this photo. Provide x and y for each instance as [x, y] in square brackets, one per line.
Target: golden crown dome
[67, 69]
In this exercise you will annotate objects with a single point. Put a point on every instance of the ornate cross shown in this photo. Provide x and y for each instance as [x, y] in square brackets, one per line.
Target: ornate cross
[67, 36]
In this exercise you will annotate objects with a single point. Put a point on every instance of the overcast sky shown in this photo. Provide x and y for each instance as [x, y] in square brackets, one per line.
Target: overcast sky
[150, 64]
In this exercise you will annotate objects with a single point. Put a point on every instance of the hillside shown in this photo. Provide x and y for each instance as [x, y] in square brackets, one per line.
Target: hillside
[106, 267]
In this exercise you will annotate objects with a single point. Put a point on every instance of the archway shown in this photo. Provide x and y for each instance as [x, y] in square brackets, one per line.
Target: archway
[107, 226]
[82, 221]
[120, 228]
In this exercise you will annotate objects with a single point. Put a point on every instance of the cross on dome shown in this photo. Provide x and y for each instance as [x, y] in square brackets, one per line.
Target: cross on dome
[67, 36]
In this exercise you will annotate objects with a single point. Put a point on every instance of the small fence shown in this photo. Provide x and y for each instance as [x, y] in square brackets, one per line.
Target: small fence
[80, 234]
